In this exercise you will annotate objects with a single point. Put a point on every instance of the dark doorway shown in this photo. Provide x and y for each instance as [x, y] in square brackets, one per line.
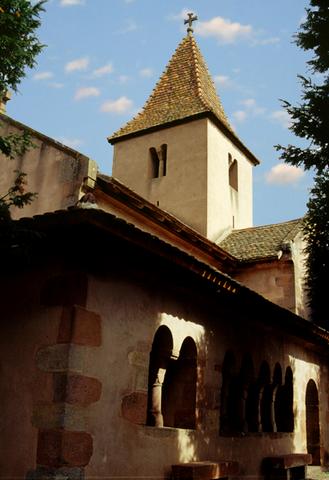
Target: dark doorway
[312, 422]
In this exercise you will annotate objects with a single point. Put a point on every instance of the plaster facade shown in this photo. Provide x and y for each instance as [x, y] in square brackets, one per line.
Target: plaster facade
[101, 414]
[196, 186]
[54, 172]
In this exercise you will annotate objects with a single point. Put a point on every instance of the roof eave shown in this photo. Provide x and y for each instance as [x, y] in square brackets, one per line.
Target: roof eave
[207, 114]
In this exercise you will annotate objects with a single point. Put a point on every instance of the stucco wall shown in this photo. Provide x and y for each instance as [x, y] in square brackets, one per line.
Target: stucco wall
[223, 203]
[182, 191]
[274, 280]
[131, 314]
[298, 257]
[54, 171]
[196, 187]
[25, 328]
[109, 349]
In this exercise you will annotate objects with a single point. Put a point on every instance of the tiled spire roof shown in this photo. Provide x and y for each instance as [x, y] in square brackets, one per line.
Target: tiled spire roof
[184, 90]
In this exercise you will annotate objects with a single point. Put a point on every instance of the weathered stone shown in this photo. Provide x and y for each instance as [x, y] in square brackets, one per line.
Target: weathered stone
[59, 415]
[76, 389]
[57, 448]
[138, 359]
[141, 379]
[64, 473]
[54, 358]
[204, 470]
[134, 406]
[80, 326]
[60, 358]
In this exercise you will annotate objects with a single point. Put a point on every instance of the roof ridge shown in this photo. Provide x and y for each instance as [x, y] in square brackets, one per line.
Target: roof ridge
[197, 72]
[297, 220]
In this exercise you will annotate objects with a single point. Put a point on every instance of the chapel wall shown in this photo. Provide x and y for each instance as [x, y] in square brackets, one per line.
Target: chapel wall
[26, 326]
[182, 189]
[227, 207]
[274, 280]
[55, 172]
[131, 314]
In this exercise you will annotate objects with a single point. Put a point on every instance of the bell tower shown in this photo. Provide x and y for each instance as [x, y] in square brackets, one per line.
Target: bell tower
[181, 153]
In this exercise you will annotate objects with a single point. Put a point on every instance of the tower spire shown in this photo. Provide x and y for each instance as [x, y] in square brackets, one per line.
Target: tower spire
[191, 18]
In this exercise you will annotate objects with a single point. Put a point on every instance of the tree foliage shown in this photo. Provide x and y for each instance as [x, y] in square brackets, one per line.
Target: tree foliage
[310, 121]
[19, 46]
[316, 232]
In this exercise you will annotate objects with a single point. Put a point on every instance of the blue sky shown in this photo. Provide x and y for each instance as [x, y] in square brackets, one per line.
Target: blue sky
[103, 58]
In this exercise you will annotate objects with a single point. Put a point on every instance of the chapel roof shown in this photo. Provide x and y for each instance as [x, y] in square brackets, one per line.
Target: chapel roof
[71, 232]
[184, 91]
[261, 243]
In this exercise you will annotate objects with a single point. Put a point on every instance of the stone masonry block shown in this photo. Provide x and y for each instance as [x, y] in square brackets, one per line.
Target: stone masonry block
[59, 448]
[204, 470]
[134, 407]
[61, 358]
[63, 473]
[76, 389]
[52, 416]
[80, 326]
[54, 358]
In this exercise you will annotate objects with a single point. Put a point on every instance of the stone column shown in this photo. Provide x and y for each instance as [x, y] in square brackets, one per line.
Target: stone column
[156, 408]
[64, 444]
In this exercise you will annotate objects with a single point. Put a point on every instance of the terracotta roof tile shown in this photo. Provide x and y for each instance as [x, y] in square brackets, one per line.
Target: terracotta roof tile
[184, 90]
[259, 243]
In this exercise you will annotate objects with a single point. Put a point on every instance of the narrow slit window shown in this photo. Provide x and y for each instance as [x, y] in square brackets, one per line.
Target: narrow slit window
[164, 159]
[233, 173]
[155, 163]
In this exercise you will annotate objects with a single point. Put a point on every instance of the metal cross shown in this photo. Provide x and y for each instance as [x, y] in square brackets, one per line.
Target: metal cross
[191, 18]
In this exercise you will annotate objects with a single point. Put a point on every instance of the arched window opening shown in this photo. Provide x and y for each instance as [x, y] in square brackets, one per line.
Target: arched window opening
[159, 161]
[277, 408]
[289, 400]
[155, 163]
[160, 358]
[163, 160]
[312, 422]
[227, 396]
[257, 409]
[179, 388]
[233, 173]
[246, 380]
[264, 396]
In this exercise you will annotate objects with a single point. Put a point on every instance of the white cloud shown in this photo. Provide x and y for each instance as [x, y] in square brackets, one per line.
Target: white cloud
[284, 174]
[240, 116]
[71, 142]
[56, 85]
[85, 92]
[78, 64]
[43, 76]
[146, 72]
[223, 81]
[182, 15]
[130, 26]
[266, 41]
[69, 3]
[251, 105]
[282, 117]
[248, 102]
[99, 72]
[121, 105]
[123, 78]
[224, 30]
